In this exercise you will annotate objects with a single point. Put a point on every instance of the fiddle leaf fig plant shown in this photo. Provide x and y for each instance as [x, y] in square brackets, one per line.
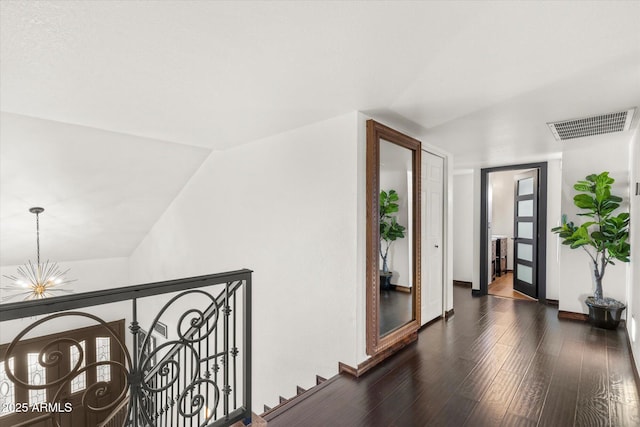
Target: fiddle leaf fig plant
[604, 236]
[390, 230]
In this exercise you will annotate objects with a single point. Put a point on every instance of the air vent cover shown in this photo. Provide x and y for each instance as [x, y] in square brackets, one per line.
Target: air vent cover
[595, 125]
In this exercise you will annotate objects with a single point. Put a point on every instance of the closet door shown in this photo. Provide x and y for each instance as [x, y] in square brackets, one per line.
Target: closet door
[432, 236]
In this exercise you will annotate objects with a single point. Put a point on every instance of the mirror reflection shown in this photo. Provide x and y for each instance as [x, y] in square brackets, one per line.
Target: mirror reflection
[393, 244]
[396, 234]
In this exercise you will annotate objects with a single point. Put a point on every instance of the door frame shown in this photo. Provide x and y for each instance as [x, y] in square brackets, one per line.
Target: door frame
[541, 250]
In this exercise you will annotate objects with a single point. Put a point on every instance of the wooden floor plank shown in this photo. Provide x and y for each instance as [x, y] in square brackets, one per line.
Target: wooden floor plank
[559, 407]
[567, 372]
[496, 362]
[511, 420]
[454, 413]
[492, 407]
[531, 393]
[620, 389]
[423, 409]
[593, 391]
[393, 405]
[479, 380]
[624, 415]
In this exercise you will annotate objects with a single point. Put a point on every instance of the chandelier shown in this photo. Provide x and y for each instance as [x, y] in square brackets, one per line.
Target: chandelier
[36, 281]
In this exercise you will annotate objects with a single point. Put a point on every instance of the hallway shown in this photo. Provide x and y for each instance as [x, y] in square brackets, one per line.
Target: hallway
[497, 362]
[503, 287]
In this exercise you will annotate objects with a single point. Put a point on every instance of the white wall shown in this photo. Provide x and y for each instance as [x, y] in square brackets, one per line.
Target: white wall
[579, 159]
[554, 190]
[633, 291]
[286, 207]
[502, 209]
[463, 226]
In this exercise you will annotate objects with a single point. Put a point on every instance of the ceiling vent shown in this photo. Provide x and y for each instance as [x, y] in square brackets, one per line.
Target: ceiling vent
[594, 125]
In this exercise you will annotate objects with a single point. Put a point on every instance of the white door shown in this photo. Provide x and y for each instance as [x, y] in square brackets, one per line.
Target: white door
[432, 232]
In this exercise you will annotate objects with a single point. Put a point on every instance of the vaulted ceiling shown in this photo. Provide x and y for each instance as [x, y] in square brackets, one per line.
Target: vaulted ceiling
[109, 107]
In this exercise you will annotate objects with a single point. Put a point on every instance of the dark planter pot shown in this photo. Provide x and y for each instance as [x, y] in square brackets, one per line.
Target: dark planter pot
[385, 280]
[606, 316]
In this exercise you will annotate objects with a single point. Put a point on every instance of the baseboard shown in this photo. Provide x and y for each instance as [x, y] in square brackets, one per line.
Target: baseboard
[633, 360]
[399, 288]
[570, 315]
[279, 409]
[372, 362]
[476, 293]
[448, 314]
[429, 323]
[343, 368]
[553, 302]
[462, 283]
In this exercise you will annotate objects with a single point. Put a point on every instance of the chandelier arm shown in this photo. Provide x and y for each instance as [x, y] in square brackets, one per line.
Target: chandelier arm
[39, 280]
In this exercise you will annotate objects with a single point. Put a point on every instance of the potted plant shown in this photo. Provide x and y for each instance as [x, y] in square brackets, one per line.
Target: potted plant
[604, 237]
[390, 231]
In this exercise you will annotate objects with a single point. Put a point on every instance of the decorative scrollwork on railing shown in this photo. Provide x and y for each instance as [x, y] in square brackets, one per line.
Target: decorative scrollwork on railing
[168, 369]
[190, 378]
[50, 356]
[178, 374]
[100, 389]
[195, 397]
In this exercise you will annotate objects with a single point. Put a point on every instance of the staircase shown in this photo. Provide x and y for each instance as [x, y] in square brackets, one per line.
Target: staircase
[285, 404]
[301, 394]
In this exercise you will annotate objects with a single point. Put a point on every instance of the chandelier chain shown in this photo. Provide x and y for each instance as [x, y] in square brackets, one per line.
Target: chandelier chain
[38, 236]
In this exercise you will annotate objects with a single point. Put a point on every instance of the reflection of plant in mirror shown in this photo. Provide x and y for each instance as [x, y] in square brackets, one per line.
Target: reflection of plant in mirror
[390, 230]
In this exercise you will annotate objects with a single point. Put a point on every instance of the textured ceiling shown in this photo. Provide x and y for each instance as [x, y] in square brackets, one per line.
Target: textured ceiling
[110, 106]
[101, 191]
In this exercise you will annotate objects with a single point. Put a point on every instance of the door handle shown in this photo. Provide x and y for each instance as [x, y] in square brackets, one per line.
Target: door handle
[436, 246]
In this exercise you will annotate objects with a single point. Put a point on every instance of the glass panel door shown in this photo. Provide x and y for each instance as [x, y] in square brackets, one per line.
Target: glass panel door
[526, 233]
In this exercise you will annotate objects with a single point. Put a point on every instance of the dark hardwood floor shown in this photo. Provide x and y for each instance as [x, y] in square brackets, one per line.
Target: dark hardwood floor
[503, 287]
[497, 362]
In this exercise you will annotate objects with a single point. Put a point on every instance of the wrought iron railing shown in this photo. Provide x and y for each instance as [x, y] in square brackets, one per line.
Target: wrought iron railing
[200, 375]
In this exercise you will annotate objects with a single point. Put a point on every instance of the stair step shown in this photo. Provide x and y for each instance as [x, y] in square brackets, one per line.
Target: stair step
[270, 413]
[286, 404]
[256, 421]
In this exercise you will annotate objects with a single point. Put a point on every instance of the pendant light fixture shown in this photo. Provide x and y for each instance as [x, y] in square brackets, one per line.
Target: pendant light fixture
[36, 281]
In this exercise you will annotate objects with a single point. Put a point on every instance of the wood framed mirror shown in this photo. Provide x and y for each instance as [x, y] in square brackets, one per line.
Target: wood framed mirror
[393, 243]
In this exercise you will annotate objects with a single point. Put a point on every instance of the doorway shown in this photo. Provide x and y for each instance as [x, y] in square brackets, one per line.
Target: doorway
[512, 252]
[96, 355]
